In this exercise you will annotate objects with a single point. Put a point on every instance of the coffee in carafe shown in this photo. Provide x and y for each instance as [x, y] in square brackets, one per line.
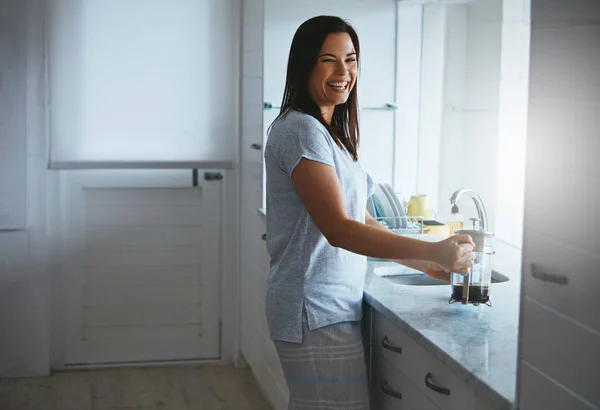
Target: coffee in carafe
[477, 293]
[474, 287]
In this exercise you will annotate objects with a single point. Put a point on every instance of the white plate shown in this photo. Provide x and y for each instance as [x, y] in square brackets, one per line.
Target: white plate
[395, 222]
[384, 206]
[371, 206]
[402, 215]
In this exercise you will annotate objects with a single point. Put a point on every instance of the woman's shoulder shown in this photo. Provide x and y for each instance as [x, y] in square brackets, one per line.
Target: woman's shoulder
[297, 121]
[297, 131]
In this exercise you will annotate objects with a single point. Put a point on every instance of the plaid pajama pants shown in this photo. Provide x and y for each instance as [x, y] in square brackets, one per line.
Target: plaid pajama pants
[327, 370]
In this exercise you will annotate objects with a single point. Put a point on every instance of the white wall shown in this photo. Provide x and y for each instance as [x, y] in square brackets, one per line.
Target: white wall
[431, 108]
[512, 121]
[159, 84]
[408, 97]
[559, 365]
[477, 138]
[471, 100]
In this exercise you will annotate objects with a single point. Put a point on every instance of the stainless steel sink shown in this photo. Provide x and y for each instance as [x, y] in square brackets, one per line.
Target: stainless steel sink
[411, 277]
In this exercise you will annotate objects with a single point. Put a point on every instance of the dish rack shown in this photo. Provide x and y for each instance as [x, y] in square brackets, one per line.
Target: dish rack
[411, 225]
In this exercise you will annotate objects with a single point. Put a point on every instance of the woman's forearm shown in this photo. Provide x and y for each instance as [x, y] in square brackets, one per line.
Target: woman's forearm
[420, 265]
[372, 241]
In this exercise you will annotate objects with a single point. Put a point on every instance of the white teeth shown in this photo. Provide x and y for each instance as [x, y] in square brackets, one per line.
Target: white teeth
[339, 85]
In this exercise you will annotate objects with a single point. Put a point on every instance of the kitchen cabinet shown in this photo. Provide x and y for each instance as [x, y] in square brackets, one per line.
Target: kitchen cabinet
[13, 115]
[559, 345]
[403, 375]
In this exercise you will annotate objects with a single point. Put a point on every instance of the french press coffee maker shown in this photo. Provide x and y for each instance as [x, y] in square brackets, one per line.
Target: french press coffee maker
[474, 287]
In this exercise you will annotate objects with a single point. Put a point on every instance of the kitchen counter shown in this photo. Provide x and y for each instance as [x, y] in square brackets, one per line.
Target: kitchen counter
[479, 344]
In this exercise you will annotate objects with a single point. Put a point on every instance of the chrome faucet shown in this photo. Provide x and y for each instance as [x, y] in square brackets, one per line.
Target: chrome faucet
[481, 212]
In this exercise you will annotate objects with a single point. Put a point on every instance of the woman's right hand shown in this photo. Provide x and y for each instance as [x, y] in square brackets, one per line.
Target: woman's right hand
[456, 253]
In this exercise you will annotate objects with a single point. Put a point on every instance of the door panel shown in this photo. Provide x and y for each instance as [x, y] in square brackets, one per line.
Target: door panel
[142, 278]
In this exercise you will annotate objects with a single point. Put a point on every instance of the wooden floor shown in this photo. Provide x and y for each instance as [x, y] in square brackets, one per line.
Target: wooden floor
[156, 388]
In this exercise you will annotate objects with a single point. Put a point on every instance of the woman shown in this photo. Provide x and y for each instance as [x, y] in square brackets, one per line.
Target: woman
[318, 230]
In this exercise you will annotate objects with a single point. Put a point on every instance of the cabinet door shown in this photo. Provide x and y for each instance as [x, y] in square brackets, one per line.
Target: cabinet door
[542, 393]
[559, 345]
[418, 365]
[13, 104]
[390, 389]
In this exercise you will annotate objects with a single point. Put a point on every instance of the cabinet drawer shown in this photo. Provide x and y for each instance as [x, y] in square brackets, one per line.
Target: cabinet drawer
[391, 390]
[554, 262]
[564, 350]
[418, 365]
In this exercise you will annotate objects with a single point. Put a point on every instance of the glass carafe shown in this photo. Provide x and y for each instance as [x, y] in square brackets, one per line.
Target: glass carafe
[474, 287]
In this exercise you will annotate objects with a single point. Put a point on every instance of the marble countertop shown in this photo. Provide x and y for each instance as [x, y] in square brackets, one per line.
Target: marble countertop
[479, 344]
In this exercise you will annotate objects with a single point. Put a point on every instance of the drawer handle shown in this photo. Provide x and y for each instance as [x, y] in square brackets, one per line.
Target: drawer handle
[388, 346]
[548, 277]
[257, 147]
[263, 237]
[438, 389]
[385, 387]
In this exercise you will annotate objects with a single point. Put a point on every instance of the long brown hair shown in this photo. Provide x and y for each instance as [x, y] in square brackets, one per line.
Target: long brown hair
[304, 52]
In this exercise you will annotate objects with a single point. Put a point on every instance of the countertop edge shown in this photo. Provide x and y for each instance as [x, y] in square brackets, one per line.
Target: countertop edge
[478, 385]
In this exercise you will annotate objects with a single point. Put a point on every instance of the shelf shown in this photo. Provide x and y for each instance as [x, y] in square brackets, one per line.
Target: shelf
[204, 164]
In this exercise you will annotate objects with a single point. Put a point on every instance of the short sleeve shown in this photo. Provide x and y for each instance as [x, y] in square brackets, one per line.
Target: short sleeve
[302, 139]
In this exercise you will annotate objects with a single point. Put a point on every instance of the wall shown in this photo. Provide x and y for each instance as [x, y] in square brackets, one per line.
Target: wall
[408, 96]
[140, 88]
[24, 278]
[512, 121]
[477, 138]
[469, 128]
[559, 354]
[431, 107]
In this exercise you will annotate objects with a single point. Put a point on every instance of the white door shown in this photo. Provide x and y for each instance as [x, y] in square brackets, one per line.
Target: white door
[142, 268]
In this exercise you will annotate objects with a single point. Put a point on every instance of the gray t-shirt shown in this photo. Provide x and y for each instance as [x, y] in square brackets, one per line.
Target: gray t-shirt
[306, 271]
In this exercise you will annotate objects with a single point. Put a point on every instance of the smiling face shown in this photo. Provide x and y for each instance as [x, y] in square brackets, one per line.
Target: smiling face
[334, 74]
